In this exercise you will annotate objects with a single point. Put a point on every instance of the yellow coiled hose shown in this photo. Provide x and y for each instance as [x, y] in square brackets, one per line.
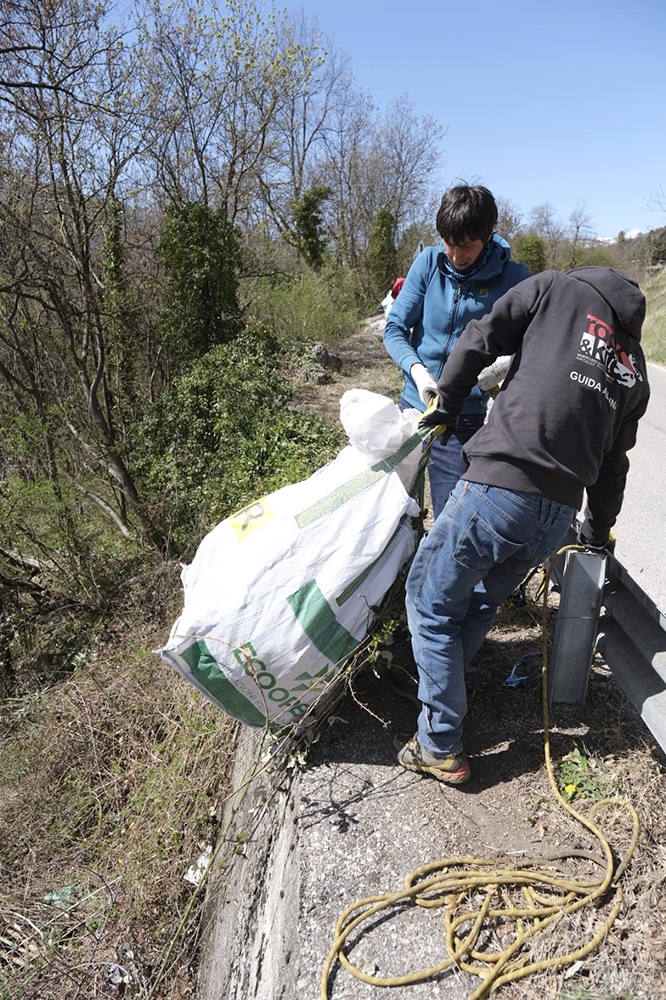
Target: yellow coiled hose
[529, 894]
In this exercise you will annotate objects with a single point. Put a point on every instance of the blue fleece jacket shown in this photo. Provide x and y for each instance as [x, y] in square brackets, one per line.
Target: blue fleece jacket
[435, 305]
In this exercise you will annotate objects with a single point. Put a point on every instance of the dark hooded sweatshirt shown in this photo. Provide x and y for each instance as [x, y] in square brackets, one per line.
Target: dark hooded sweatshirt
[568, 410]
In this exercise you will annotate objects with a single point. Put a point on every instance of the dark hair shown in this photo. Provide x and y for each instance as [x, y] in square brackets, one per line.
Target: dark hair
[466, 213]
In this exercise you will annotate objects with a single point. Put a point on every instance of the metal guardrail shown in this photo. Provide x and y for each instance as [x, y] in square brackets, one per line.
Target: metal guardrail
[603, 608]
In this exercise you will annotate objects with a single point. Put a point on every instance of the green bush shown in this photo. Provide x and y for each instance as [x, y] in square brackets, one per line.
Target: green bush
[200, 255]
[75, 547]
[530, 249]
[61, 563]
[309, 237]
[382, 253]
[417, 235]
[307, 306]
[224, 435]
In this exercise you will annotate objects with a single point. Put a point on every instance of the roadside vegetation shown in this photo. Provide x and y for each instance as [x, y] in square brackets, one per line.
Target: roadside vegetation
[654, 330]
[171, 265]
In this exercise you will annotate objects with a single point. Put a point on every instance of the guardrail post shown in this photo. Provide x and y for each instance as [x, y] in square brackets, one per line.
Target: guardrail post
[576, 626]
[630, 634]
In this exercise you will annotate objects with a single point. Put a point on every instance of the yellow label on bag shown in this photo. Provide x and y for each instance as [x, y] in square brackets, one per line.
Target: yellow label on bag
[248, 519]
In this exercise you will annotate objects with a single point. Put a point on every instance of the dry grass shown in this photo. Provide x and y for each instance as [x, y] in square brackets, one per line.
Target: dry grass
[110, 788]
[626, 762]
[365, 365]
[622, 759]
[654, 329]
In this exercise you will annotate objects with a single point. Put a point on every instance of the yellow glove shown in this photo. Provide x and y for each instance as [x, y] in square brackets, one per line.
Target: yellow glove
[438, 421]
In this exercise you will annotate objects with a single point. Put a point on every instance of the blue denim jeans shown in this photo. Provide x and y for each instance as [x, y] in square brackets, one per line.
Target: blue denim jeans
[479, 549]
[446, 463]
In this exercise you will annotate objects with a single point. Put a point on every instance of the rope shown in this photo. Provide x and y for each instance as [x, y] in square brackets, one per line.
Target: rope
[477, 895]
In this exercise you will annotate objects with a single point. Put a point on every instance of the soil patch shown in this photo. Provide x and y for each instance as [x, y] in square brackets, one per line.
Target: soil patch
[365, 365]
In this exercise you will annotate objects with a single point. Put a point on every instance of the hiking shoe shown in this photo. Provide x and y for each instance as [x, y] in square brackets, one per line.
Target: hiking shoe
[454, 769]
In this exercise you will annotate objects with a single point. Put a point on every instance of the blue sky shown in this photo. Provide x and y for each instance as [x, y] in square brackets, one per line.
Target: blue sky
[562, 101]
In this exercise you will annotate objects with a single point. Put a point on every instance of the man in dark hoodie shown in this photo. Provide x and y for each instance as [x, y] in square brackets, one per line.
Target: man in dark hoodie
[563, 422]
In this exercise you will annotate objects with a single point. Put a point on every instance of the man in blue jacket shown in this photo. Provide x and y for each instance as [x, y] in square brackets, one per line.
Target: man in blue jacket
[445, 288]
[562, 423]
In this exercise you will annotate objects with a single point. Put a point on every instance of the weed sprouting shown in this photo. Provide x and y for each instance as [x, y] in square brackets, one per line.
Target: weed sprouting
[585, 777]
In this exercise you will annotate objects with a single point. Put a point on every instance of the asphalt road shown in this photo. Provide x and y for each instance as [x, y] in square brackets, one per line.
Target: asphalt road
[641, 527]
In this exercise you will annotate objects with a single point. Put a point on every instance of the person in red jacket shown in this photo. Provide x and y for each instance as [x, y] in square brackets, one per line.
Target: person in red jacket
[390, 297]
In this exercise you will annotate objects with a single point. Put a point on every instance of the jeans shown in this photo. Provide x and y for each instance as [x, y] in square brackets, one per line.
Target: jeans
[446, 463]
[478, 551]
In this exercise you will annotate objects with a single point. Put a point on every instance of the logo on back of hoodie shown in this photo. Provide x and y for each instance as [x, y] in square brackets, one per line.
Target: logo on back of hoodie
[600, 347]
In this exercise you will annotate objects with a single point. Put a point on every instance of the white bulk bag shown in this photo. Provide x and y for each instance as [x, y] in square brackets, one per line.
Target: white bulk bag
[280, 594]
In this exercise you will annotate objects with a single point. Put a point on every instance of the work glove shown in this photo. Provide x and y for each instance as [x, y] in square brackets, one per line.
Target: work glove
[438, 420]
[425, 383]
[489, 379]
[602, 546]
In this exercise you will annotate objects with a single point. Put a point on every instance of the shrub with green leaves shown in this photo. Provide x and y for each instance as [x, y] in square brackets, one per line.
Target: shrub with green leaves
[382, 253]
[200, 255]
[309, 237]
[224, 435]
[585, 777]
[530, 249]
[307, 306]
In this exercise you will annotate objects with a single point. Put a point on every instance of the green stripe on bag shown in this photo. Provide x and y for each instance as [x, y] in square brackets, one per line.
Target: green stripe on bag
[356, 485]
[320, 624]
[405, 449]
[207, 671]
[338, 496]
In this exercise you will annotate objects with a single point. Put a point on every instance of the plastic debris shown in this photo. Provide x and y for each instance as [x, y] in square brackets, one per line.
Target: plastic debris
[522, 670]
[62, 898]
[118, 976]
[195, 872]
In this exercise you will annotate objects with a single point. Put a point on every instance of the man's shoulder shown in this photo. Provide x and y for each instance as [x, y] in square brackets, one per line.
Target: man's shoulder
[512, 273]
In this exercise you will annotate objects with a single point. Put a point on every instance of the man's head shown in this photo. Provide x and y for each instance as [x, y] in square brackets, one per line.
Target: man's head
[466, 220]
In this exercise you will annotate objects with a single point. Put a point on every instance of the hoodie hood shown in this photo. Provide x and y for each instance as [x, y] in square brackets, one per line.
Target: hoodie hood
[620, 291]
[490, 262]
